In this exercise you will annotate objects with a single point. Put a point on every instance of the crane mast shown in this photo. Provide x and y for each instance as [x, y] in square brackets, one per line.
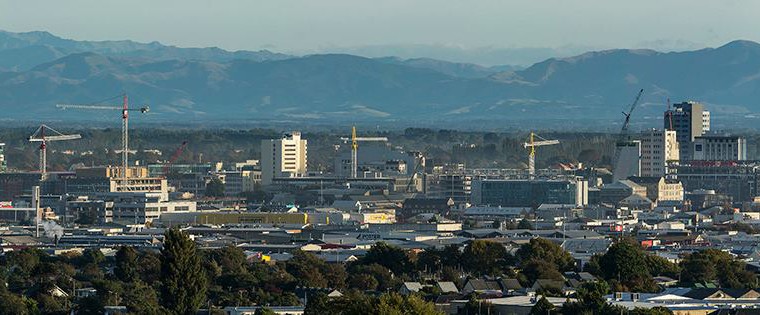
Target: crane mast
[622, 139]
[531, 145]
[355, 148]
[124, 108]
[40, 136]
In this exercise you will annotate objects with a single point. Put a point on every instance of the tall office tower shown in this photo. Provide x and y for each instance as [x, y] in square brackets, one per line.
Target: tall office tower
[283, 158]
[3, 164]
[658, 148]
[689, 120]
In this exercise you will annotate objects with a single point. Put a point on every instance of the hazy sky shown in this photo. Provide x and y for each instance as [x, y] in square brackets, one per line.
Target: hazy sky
[313, 25]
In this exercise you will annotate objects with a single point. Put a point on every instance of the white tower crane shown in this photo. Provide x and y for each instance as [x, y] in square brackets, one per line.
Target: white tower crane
[43, 135]
[355, 147]
[124, 108]
[532, 144]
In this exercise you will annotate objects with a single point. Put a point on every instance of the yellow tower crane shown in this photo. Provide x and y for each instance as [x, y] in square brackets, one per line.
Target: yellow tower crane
[531, 145]
[355, 148]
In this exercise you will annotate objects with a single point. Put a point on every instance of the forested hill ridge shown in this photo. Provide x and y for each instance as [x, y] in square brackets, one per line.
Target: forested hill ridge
[38, 70]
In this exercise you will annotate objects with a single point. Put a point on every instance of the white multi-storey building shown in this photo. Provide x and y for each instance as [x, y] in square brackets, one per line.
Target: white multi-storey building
[658, 148]
[283, 158]
[720, 148]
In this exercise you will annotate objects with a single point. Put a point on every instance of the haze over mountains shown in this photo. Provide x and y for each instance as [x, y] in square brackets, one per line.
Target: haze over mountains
[38, 70]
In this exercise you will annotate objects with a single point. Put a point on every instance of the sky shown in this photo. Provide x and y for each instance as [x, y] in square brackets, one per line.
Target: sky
[305, 26]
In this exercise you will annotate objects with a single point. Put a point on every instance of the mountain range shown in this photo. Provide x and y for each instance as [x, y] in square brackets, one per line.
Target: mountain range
[38, 70]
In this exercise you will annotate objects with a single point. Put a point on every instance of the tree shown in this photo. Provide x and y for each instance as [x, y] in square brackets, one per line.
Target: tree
[126, 264]
[184, 283]
[486, 257]
[215, 188]
[363, 281]
[524, 225]
[139, 298]
[318, 304]
[542, 307]
[12, 304]
[627, 263]
[591, 300]
[394, 303]
[391, 257]
[540, 269]
[547, 251]
[713, 265]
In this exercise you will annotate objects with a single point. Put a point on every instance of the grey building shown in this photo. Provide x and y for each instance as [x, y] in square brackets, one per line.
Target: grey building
[529, 193]
[689, 120]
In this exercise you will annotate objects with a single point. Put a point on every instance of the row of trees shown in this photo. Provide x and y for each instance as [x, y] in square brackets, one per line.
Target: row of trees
[180, 278]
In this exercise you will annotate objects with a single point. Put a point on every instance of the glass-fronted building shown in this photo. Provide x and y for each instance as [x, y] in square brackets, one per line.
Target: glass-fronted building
[529, 193]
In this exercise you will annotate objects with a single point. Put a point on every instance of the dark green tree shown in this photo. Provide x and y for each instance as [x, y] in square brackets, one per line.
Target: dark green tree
[486, 257]
[317, 304]
[545, 250]
[215, 188]
[542, 307]
[141, 299]
[626, 263]
[714, 265]
[126, 268]
[184, 282]
[525, 225]
[391, 257]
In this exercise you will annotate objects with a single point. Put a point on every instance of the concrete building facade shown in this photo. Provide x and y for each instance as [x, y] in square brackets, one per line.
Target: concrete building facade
[720, 148]
[629, 160]
[283, 158]
[658, 148]
[689, 120]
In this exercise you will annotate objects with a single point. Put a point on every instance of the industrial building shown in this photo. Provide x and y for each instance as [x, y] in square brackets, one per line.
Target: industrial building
[283, 158]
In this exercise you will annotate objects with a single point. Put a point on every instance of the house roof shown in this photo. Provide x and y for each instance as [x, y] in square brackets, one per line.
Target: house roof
[510, 284]
[548, 283]
[447, 287]
[412, 286]
[484, 285]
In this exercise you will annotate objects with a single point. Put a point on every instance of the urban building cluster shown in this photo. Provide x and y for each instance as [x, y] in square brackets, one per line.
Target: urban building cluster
[674, 190]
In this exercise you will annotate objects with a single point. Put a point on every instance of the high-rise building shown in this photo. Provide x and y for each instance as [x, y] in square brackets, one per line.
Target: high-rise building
[282, 158]
[719, 148]
[658, 148]
[3, 164]
[689, 120]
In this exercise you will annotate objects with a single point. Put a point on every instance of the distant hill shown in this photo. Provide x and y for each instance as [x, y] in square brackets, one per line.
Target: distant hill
[210, 83]
[21, 51]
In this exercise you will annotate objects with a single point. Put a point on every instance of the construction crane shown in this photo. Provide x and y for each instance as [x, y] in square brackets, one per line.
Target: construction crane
[124, 108]
[670, 115]
[532, 144]
[622, 139]
[355, 148]
[45, 134]
[174, 158]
